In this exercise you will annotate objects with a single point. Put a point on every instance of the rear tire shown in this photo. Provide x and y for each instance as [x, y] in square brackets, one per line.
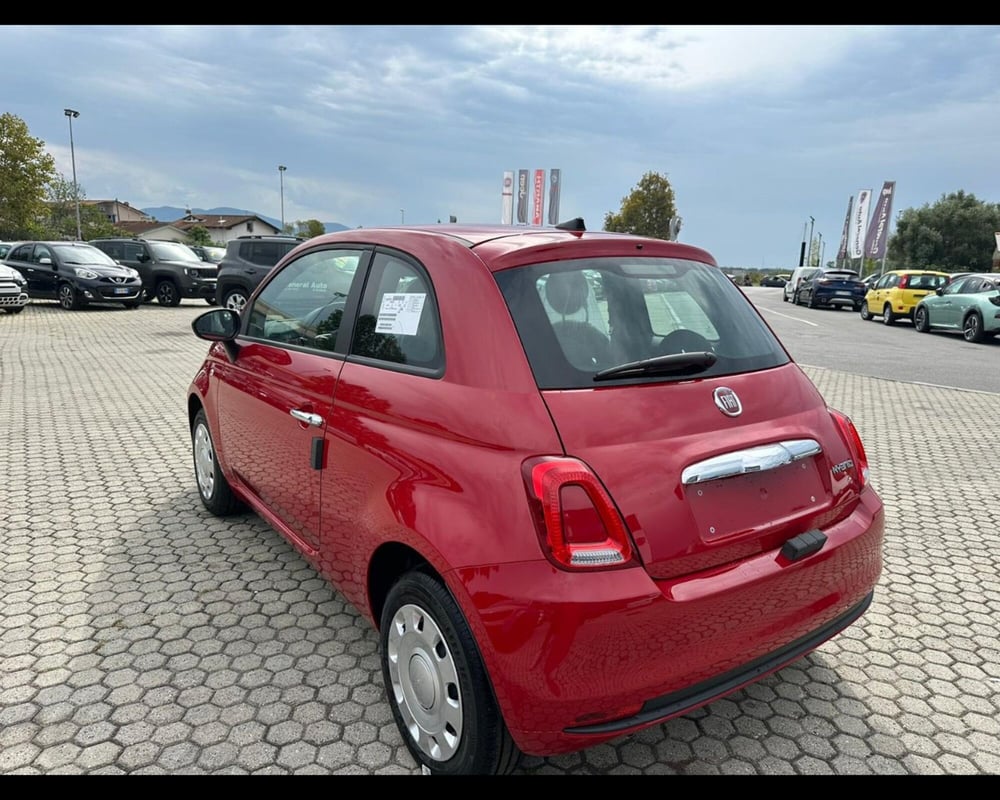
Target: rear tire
[888, 318]
[972, 328]
[866, 313]
[236, 300]
[436, 684]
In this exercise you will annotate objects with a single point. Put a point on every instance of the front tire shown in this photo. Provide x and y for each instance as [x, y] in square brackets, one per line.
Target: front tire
[437, 687]
[214, 490]
[68, 298]
[167, 294]
[921, 321]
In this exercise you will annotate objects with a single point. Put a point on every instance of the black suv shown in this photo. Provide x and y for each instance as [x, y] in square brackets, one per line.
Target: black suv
[248, 259]
[170, 271]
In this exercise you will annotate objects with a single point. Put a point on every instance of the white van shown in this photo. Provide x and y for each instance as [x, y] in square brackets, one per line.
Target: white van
[793, 283]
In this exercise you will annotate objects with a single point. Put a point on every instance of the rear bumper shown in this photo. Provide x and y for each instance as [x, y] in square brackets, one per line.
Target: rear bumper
[579, 659]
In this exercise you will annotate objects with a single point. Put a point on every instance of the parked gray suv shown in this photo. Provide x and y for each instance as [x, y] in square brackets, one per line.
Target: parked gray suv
[248, 259]
[170, 271]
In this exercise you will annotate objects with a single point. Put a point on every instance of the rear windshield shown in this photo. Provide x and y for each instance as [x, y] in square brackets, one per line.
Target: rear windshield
[581, 317]
[926, 281]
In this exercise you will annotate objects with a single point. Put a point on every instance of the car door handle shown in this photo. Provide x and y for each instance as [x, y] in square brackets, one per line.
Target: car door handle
[304, 416]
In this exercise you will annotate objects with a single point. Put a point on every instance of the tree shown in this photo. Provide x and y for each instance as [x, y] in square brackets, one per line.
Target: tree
[25, 170]
[955, 234]
[649, 210]
[60, 214]
[307, 229]
[199, 235]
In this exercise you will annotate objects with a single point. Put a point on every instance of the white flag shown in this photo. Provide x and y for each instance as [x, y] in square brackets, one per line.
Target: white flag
[859, 224]
[507, 198]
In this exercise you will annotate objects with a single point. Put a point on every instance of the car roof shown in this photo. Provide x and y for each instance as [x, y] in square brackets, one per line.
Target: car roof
[501, 246]
[915, 272]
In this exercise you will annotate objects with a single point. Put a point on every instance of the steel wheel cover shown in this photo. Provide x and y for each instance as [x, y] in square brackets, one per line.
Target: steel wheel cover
[236, 302]
[424, 681]
[204, 461]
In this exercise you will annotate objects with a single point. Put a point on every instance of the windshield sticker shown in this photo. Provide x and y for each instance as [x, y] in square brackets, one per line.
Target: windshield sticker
[400, 313]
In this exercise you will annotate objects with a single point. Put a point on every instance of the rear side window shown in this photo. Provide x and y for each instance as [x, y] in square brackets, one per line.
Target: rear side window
[263, 253]
[577, 318]
[398, 319]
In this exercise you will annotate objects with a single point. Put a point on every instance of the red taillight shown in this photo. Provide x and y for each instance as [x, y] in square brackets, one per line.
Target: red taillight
[854, 444]
[904, 281]
[577, 522]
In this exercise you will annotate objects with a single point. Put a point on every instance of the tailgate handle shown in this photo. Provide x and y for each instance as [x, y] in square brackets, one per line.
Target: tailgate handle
[753, 459]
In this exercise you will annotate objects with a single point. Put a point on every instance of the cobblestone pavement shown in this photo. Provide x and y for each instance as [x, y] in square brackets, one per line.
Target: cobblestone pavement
[138, 634]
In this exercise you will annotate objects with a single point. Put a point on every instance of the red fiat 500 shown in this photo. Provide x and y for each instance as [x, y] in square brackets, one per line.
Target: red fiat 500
[571, 477]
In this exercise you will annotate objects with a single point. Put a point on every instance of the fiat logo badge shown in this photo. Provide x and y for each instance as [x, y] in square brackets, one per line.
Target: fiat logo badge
[727, 402]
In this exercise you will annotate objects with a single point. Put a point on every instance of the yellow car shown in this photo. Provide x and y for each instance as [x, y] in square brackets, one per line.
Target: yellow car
[894, 295]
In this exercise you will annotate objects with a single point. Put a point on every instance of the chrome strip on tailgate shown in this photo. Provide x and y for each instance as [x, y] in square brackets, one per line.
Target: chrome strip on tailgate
[753, 459]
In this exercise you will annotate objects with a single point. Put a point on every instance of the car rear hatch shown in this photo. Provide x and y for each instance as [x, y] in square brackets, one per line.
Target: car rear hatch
[841, 285]
[700, 489]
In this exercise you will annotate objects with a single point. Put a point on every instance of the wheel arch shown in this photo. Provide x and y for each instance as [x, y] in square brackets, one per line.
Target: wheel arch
[387, 564]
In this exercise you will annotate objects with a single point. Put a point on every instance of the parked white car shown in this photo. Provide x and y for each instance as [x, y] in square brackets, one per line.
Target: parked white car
[793, 284]
[13, 294]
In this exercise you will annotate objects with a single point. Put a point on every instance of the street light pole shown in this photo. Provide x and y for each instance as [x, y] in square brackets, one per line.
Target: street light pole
[819, 249]
[812, 221]
[822, 250]
[401, 213]
[281, 178]
[802, 252]
[71, 115]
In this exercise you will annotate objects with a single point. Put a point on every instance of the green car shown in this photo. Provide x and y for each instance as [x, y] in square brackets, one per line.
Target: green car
[970, 304]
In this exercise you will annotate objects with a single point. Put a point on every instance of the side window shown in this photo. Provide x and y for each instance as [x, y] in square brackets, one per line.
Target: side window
[265, 254]
[130, 251]
[971, 285]
[22, 253]
[398, 319]
[304, 303]
[41, 251]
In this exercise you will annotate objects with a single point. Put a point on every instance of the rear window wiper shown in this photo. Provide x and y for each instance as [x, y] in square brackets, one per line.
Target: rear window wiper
[675, 363]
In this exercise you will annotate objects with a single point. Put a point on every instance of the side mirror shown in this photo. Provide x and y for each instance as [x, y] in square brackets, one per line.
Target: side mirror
[142, 258]
[46, 260]
[939, 291]
[219, 325]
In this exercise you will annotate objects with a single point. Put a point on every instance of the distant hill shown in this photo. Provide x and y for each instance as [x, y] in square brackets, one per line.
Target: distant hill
[171, 213]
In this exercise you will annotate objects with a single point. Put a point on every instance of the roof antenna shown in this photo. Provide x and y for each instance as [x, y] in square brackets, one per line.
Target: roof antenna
[575, 224]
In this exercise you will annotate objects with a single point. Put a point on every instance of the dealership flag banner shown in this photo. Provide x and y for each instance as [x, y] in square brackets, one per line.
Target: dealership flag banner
[859, 224]
[537, 217]
[522, 196]
[842, 252]
[878, 229]
[507, 217]
[553, 197]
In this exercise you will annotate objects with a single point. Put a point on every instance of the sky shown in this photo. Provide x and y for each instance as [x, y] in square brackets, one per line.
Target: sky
[764, 132]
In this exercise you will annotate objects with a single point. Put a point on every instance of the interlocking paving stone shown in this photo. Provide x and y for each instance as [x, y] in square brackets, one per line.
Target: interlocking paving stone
[140, 635]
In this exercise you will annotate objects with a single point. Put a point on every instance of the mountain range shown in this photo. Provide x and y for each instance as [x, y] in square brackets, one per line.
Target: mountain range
[172, 213]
